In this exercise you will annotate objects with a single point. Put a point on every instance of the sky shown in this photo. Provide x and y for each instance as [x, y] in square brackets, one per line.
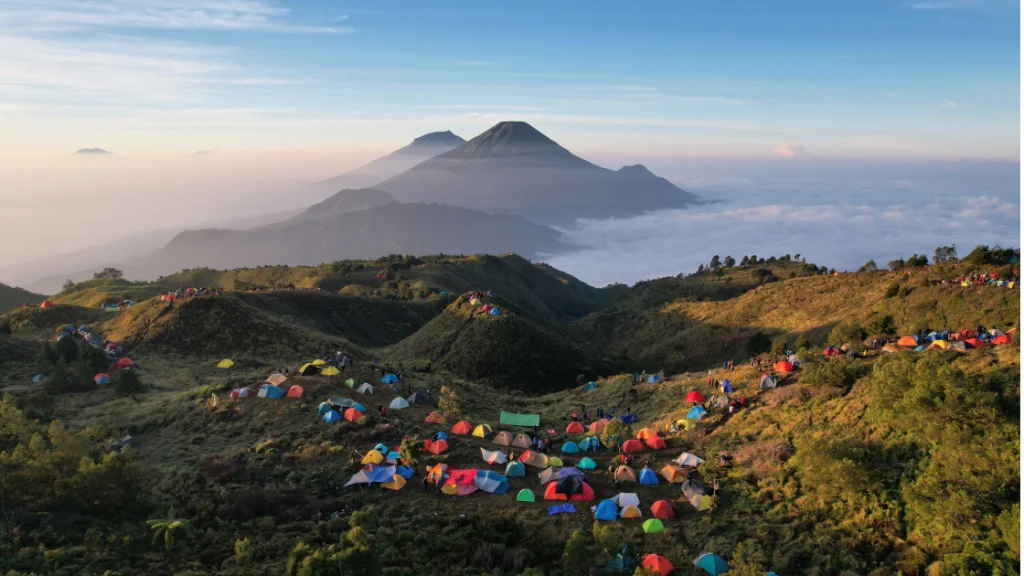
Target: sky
[865, 79]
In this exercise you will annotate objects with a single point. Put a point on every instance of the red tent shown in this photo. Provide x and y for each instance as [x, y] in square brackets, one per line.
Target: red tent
[586, 496]
[783, 366]
[1003, 339]
[632, 446]
[46, 304]
[352, 415]
[654, 442]
[975, 343]
[694, 396]
[123, 363]
[434, 418]
[294, 392]
[434, 447]
[831, 351]
[659, 564]
[574, 428]
[462, 427]
[662, 510]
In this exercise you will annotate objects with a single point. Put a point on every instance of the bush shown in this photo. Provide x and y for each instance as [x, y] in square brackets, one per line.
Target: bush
[758, 343]
[892, 290]
[882, 325]
[126, 381]
[615, 431]
[802, 343]
[841, 374]
[846, 334]
[779, 345]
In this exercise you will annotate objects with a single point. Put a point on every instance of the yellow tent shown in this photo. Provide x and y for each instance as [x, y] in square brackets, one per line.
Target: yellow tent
[350, 383]
[330, 371]
[701, 502]
[686, 424]
[555, 461]
[373, 457]
[474, 302]
[397, 483]
[939, 345]
[631, 512]
[482, 431]
[318, 362]
[673, 474]
[225, 363]
[213, 400]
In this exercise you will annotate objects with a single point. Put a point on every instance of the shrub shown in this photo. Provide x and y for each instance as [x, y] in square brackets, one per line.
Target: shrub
[802, 343]
[830, 373]
[846, 333]
[126, 381]
[758, 343]
[882, 325]
[779, 345]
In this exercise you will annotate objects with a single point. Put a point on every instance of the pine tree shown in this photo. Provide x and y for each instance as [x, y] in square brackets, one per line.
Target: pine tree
[448, 405]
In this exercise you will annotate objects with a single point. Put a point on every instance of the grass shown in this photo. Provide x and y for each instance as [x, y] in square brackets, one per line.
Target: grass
[12, 297]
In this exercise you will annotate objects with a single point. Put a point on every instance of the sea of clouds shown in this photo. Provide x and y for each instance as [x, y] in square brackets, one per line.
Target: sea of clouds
[838, 215]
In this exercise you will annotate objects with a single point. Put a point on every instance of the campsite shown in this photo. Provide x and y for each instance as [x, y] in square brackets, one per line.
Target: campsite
[494, 428]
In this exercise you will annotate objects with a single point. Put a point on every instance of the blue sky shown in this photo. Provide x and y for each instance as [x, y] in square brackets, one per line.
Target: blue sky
[884, 79]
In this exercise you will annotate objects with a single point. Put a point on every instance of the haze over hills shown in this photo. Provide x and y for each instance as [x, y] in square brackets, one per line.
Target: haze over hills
[513, 168]
[92, 151]
[367, 175]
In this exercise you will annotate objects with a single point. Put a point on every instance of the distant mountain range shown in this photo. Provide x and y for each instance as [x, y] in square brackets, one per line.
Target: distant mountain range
[92, 151]
[514, 169]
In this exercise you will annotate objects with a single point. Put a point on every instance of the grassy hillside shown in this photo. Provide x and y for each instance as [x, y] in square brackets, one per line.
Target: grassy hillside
[12, 297]
[32, 318]
[93, 293]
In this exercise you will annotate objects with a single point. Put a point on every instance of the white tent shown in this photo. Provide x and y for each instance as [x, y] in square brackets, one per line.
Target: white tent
[495, 457]
[627, 499]
[399, 403]
[365, 388]
[687, 459]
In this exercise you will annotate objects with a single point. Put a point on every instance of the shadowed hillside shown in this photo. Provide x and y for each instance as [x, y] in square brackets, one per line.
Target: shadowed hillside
[32, 317]
[12, 297]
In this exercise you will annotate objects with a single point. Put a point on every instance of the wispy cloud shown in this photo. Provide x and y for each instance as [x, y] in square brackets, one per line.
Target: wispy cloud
[792, 150]
[63, 15]
[948, 104]
[985, 6]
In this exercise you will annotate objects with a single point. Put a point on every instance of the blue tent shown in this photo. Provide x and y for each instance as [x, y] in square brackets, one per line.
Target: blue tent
[515, 470]
[726, 387]
[273, 392]
[494, 312]
[607, 510]
[628, 418]
[919, 348]
[570, 448]
[323, 408]
[711, 563]
[561, 509]
[332, 416]
[587, 464]
[405, 472]
[590, 442]
[382, 473]
[590, 386]
[389, 379]
[933, 336]
[359, 407]
[381, 448]
[489, 481]
[441, 436]
[696, 413]
[393, 455]
[648, 477]
[653, 379]
[38, 378]
[568, 471]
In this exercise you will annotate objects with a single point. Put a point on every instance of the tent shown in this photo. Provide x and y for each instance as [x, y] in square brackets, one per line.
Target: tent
[653, 379]
[520, 419]
[460, 483]
[691, 488]
[318, 362]
[268, 391]
[694, 396]
[645, 432]
[434, 418]
[99, 379]
[548, 475]
[647, 477]
[244, 392]
[590, 386]
[38, 378]
[323, 408]
[515, 470]
[365, 388]
[124, 363]
[701, 502]
[673, 474]
[632, 446]
[389, 379]
[587, 464]
[907, 342]
[522, 441]
[585, 494]
[393, 457]
[920, 348]
[975, 343]
[726, 387]
[398, 403]
[494, 457]
[653, 526]
[625, 474]
[330, 371]
[442, 435]
[570, 447]
[309, 370]
[535, 459]
[494, 312]
[294, 392]
[417, 398]
[566, 472]
[685, 424]
[46, 304]
[482, 431]
[696, 413]
[622, 563]
[555, 461]
[490, 482]
[711, 563]
[435, 446]
[831, 351]
[663, 510]
[381, 448]
[574, 428]
[957, 346]
[631, 512]
[628, 418]
[657, 564]
[890, 348]
[767, 382]
[786, 366]
[607, 510]
[343, 402]
[351, 414]
[225, 363]
[462, 428]
[276, 379]
[502, 438]
[397, 483]
[598, 426]
[372, 457]
[1001, 339]
[437, 473]
[526, 495]
[474, 302]
[655, 442]
[687, 459]
[627, 499]
[588, 443]
[372, 474]
[350, 383]
[933, 336]
[938, 345]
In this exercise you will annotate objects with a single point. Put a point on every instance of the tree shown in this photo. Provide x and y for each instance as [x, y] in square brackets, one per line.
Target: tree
[730, 261]
[243, 555]
[409, 448]
[869, 266]
[747, 559]
[895, 265]
[945, 254]
[763, 275]
[745, 261]
[448, 404]
[882, 325]
[758, 343]
[892, 290]
[167, 528]
[126, 381]
[846, 334]
[576, 555]
[615, 431]
[109, 273]
[715, 262]
[700, 269]
[67, 285]
[779, 345]
[802, 343]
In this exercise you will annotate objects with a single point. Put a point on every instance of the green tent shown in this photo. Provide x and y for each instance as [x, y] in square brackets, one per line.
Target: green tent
[653, 526]
[520, 419]
[350, 383]
[526, 495]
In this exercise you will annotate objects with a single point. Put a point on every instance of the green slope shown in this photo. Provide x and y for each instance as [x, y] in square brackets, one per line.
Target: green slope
[12, 297]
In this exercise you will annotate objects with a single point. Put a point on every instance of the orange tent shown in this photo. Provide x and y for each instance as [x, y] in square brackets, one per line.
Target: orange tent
[632, 446]
[785, 366]
[352, 414]
[654, 442]
[503, 438]
[975, 343]
[574, 428]
[435, 447]
[673, 474]
[1004, 339]
[46, 304]
[907, 342]
[435, 473]
[586, 496]
[658, 564]
[462, 427]
[534, 459]
[294, 392]
[434, 418]
[662, 510]
[598, 426]
[645, 432]
[625, 474]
